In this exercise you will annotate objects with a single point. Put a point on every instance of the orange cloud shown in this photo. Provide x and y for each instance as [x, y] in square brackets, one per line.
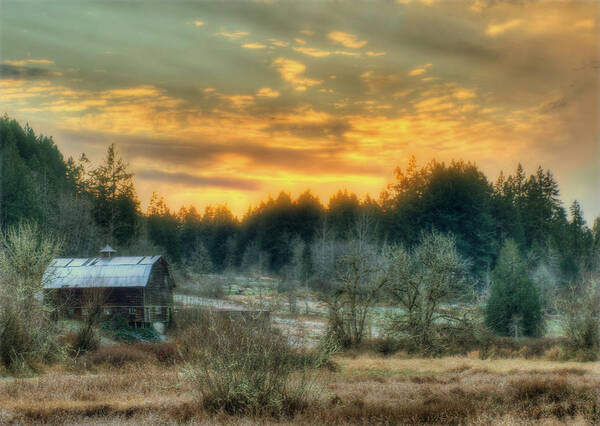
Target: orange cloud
[23, 62]
[347, 40]
[267, 92]
[233, 35]
[278, 43]
[292, 72]
[254, 45]
[496, 29]
[420, 70]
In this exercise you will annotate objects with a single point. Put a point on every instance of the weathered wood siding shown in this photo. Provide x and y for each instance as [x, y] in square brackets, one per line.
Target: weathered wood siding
[158, 294]
[128, 301]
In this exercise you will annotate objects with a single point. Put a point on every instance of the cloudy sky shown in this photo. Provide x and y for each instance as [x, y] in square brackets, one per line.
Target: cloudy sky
[228, 102]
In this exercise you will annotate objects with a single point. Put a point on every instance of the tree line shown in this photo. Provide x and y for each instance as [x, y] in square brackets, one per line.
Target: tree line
[89, 205]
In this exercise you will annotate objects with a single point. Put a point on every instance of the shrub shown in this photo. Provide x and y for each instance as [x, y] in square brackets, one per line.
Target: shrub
[555, 353]
[28, 336]
[87, 337]
[581, 320]
[243, 366]
[118, 327]
[86, 340]
[163, 352]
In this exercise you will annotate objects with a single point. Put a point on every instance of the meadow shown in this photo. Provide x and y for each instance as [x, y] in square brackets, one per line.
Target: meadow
[366, 389]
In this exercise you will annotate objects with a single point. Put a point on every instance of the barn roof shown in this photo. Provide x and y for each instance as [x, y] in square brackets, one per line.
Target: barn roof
[124, 271]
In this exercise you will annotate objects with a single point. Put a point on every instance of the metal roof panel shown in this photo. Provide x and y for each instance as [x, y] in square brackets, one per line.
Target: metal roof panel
[99, 272]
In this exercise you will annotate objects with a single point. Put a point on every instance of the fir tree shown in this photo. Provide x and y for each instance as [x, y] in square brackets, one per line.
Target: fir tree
[514, 304]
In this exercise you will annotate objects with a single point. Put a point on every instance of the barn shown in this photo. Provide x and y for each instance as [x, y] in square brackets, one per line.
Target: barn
[140, 288]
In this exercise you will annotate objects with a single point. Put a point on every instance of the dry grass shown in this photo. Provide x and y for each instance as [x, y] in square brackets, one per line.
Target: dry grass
[366, 390]
[399, 365]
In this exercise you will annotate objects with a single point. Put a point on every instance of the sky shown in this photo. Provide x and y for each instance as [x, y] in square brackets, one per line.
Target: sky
[230, 102]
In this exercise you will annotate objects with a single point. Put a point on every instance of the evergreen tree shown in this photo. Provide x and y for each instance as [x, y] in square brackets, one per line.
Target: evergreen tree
[116, 208]
[163, 227]
[514, 305]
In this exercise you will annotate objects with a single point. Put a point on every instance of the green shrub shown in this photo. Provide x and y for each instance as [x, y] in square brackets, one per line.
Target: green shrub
[118, 327]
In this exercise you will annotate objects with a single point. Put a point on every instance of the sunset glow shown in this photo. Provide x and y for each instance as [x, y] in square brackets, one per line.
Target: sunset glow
[228, 102]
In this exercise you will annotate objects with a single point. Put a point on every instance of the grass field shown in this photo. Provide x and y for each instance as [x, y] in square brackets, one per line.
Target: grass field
[364, 390]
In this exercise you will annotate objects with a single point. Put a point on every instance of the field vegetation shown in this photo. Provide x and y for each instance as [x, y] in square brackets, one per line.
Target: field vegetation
[367, 389]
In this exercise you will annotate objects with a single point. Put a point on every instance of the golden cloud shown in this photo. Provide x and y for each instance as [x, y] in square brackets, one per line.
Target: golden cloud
[198, 23]
[254, 45]
[462, 94]
[420, 70]
[292, 72]
[495, 29]
[278, 43]
[23, 62]
[233, 35]
[267, 92]
[318, 53]
[347, 40]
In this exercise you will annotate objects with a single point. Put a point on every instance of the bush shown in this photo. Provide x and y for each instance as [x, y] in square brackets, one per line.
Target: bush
[28, 336]
[86, 340]
[581, 320]
[164, 353]
[118, 327]
[243, 366]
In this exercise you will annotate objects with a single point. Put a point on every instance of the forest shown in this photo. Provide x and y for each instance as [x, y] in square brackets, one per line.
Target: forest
[89, 205]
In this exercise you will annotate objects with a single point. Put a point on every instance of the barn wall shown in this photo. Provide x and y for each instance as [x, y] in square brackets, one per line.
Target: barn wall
[128, 301]
[158, 293]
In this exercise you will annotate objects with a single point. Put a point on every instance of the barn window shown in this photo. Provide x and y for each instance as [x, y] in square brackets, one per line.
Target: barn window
[131, 311]
[158, 309]
[106, 311]
[166, 281]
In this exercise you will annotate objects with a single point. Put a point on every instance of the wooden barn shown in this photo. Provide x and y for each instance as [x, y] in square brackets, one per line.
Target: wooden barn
[140, 288]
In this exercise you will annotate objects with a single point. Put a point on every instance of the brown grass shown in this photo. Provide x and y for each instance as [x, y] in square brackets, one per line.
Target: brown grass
[119, 355]
[366, 390]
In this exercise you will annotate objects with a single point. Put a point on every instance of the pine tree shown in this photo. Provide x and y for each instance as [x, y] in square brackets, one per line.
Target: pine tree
[115, 202]
[514, 305]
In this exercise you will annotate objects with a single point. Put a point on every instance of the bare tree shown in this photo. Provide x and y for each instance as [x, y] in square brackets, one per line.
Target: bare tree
[358, 280]
[422, 282]
[580, 310]
[92, 302]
